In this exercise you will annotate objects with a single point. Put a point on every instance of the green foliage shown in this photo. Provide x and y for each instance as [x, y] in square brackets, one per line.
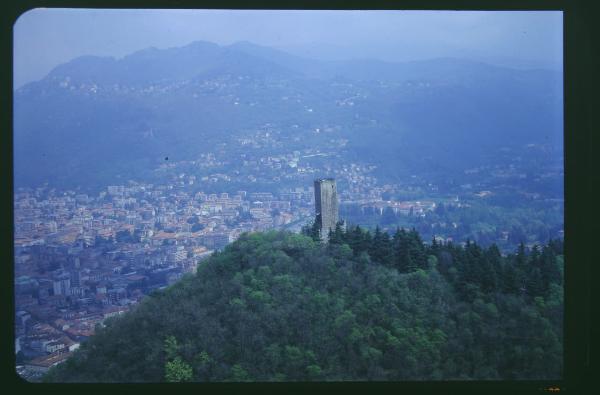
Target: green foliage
[171, 348]
[313, 230]
[278, 306]
[238, 373]
[177, 370]
[314, 372]
[481, 220]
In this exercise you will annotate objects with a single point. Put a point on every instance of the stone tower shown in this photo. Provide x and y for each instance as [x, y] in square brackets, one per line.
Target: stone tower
[326, 205]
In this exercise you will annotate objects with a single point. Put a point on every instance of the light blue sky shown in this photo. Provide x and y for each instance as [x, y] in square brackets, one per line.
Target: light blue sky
[44, 38]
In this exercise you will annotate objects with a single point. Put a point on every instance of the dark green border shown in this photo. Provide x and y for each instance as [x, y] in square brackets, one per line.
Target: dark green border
[581, 180]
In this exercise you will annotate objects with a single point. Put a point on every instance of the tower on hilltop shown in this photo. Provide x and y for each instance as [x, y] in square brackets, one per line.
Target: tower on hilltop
[326, 205]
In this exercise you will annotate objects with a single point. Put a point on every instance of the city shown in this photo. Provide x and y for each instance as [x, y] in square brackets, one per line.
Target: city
[229, 208]
[80, 260]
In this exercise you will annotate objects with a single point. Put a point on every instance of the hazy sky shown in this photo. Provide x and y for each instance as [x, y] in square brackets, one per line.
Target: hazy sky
[44, 38]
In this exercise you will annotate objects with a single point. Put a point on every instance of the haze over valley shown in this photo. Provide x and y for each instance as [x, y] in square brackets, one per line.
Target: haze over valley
[182, 175]
[127, 115]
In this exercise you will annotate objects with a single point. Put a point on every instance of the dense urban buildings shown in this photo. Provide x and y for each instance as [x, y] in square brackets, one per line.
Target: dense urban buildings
[81, 259]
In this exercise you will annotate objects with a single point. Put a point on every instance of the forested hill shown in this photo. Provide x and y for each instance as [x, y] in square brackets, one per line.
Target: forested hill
[279, 306]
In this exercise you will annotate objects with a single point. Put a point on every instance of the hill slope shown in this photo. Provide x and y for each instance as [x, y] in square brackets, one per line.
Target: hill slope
[279, 306]
[95, 118]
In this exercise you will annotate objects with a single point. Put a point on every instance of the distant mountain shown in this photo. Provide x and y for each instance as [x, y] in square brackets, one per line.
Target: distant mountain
[152, 65]
[94, 118]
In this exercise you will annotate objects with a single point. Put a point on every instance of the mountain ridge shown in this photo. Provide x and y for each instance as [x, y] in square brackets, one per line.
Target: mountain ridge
[188, 95]
[211, 50]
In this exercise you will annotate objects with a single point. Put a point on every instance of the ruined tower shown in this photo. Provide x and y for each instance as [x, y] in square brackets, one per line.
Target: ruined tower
[326, 205]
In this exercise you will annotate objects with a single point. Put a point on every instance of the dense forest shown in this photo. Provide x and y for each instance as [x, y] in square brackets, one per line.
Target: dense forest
[279, 306]
[480, 221]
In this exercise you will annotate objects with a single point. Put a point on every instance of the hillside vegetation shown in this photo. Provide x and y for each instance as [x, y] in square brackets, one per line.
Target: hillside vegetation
[279, 306]
[95, 119]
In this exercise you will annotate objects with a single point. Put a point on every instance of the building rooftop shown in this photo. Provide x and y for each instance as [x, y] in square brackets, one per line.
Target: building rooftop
[47, 361]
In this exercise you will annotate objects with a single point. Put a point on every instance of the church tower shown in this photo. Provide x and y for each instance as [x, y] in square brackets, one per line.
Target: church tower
[326, 205]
